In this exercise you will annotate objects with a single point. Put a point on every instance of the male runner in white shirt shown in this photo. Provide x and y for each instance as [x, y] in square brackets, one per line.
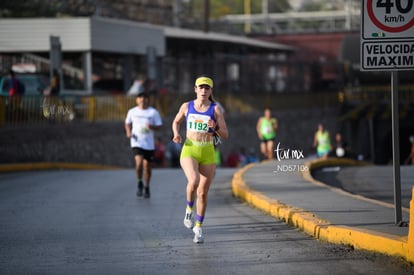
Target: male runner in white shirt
[140, 123]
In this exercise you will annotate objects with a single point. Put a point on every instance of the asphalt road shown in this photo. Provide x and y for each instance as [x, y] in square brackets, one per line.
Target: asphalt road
[91, 222]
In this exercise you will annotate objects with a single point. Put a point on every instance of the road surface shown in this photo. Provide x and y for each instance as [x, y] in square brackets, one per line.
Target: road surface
[91, 222]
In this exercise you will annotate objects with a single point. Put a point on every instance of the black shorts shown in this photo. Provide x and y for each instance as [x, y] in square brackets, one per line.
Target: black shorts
[146, 154]
[266, 140]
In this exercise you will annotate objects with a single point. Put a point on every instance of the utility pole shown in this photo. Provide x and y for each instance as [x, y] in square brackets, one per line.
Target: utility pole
[348, 20]
[265, 12]
[206, 16]
[176, 13]
[247, 12]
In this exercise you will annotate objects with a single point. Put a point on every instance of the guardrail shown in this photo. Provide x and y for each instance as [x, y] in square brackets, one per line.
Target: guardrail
[376, 93]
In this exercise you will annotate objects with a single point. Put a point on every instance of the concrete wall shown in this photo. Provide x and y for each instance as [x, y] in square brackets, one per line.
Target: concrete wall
[105, 143]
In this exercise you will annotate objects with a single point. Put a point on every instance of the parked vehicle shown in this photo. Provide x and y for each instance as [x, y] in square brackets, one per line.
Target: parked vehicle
[34, 84]
[34, 105]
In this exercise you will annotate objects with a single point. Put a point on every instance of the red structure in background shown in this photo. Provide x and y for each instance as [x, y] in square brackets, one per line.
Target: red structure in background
[322, 47]
[322, 50]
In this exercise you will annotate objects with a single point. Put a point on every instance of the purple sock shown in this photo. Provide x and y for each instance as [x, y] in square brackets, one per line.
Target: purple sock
[199, 220]
[189, 207]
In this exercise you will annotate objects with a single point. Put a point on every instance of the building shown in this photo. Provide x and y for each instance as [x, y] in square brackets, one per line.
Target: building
[96, 48]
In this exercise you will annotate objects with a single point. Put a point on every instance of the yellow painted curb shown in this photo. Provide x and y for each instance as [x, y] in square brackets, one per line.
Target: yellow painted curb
[320, 229]
[410, 252]
[14, 167]
[367, 239]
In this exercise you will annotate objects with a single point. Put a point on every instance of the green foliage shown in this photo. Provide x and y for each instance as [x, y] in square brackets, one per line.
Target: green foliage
[313, 6]
[26, 8]
[45, 8]
[53, 8]
[223, 7]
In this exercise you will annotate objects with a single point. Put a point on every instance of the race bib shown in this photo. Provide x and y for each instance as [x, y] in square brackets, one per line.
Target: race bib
[267, 129]
[142, 126]
[197, 123]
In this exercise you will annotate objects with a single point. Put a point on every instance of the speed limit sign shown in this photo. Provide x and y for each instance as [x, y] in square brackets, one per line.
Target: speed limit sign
[387, 35]
[387, 43]
[388, 19]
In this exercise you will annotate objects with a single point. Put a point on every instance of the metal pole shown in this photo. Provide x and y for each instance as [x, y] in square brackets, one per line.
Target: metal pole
[265, 12]
[206, 24]
[176, 13]
[372, 138]
[87, 71]
[247, 12]
[396, 147]
[55, 62]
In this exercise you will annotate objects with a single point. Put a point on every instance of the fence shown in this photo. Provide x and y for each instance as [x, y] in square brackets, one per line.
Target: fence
[40, 109]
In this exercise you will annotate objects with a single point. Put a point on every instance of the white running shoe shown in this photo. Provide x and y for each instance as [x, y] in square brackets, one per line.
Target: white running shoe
[198, 234]
[188, 220]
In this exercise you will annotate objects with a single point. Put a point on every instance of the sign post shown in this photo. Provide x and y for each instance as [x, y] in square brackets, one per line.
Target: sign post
[387, 44]
[396, 147]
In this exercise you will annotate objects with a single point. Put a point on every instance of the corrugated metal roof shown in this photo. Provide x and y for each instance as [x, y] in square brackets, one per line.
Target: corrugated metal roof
[226, 38]
[107, 34]
[32, 35]
[122, 36]
[80, 34]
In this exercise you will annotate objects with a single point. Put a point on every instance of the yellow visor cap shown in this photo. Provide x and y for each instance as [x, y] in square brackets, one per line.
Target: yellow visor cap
[204, 81]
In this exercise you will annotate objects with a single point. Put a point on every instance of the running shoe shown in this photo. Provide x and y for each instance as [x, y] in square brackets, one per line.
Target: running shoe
[140, 187]
[147, 192]
[198, 234]
[188, 220]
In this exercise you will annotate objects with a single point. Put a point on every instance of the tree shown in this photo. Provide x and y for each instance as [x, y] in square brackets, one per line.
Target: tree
[219, 8]
[47, 8]
[26, 8]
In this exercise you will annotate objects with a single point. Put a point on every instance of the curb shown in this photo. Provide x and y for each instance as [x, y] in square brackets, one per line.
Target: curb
[16, 167]
[321, 229]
